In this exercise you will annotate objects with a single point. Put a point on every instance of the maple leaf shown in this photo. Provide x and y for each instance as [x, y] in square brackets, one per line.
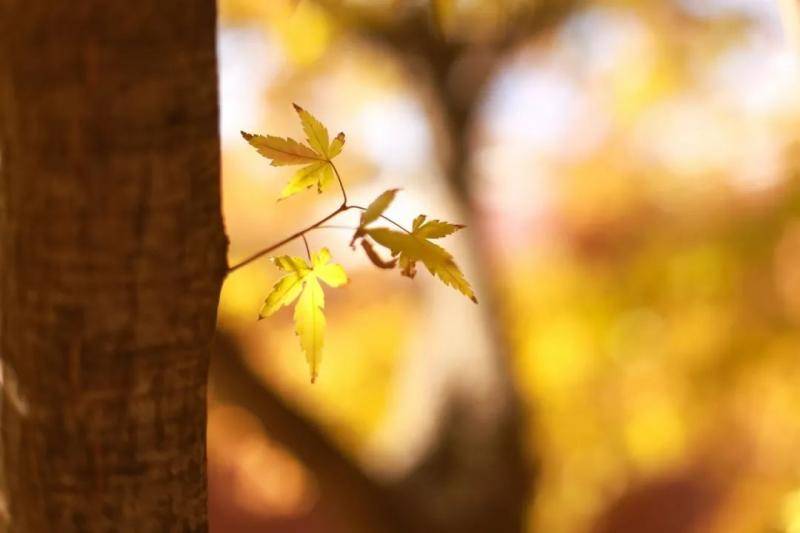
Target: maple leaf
[336, 145]
[372, 213]
[316, 155]
[409, 248]
[303, 280]
[377, 207]
[281, 151]
[433, 229]
[318, 174]
[373, 256]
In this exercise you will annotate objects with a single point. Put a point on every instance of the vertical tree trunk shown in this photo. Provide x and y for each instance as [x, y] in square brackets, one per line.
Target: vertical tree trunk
[112, 254]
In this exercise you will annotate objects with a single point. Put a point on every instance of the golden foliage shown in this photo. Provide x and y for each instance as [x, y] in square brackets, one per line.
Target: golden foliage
[302, 280]
[408, 247]
[317, 155]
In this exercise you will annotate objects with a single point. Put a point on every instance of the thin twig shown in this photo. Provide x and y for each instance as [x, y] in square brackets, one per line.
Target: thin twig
[336, 226]
[382, 216]
[316, 225]
[288, 239]
[341, 184]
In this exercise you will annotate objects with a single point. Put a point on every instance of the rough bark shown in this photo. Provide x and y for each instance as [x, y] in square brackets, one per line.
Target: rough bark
[112, 255]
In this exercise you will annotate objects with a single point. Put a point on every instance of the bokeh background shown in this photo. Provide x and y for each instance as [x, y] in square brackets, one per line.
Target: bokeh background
[629, 172]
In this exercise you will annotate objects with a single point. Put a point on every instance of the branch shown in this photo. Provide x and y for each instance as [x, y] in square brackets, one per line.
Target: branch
[302, 233]
[397, 224]
[288, 239]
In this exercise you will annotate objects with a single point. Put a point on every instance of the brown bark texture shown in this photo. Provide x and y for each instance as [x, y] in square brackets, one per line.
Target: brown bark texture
[112, 254]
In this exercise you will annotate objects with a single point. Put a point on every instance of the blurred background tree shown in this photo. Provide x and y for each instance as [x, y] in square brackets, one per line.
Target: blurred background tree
[628, 172]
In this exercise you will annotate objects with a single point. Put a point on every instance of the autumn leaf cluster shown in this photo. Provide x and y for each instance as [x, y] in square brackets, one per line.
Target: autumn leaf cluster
[405, 248]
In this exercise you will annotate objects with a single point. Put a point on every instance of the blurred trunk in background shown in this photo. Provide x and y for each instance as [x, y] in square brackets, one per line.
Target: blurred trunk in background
[112, 254]
[451, 452]
[474, 474]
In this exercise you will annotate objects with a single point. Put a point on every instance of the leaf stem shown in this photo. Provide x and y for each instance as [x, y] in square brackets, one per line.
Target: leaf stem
[308, 250]
[382, 216]
[288, 239]
[336, 226]
[341, 184]
[316, 225]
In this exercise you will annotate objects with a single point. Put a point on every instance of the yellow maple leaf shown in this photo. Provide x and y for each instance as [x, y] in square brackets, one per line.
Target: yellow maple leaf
[336, 145]
[319, 174]
[372, 213]
[302, 279]
[309, 323]
[281, 151]
[316, 156]
[316, 132]
[433, 229]
[416, 246]
[377, 207]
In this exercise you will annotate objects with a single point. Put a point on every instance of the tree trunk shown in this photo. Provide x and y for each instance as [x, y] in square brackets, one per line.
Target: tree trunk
[112, 254]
